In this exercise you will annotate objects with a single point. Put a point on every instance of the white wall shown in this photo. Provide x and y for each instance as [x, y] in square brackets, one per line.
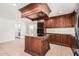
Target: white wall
[31, 28]
[8, 29]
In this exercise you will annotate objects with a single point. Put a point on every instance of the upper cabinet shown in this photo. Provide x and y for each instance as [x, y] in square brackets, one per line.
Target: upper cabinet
[35, 11]
[62, 21]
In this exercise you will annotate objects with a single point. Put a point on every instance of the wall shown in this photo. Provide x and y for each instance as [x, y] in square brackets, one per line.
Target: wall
[31, 28]
[8, 29]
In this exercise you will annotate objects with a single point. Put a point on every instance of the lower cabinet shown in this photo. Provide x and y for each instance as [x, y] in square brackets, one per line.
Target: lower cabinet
[36, 46]
[61, 39]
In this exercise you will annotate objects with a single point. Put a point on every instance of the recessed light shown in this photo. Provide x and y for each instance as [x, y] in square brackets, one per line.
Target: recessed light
[14, 4]
[60, 12]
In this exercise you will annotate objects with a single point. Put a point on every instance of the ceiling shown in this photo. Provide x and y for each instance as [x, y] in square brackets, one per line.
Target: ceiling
[11, 10]
[61, 8]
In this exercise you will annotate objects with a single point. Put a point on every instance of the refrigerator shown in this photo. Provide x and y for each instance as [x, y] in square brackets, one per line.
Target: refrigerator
[76, 50]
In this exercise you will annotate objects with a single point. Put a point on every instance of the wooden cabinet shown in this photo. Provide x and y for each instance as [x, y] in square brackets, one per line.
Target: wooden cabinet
[60, 21]
[54, 38]
[49, 23]
[61, 39]
[35, 11]
[36, 45]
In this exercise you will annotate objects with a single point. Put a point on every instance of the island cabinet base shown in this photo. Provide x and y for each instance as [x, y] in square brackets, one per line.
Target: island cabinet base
[36, 46]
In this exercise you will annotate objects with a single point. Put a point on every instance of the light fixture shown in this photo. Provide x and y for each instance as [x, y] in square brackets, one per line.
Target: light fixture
[60, 12]
[14, 4]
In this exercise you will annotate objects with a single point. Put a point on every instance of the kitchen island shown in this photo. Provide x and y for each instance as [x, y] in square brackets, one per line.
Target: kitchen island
[36, 45]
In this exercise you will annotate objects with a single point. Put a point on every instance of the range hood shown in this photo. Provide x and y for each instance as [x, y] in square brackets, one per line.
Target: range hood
[35, 11]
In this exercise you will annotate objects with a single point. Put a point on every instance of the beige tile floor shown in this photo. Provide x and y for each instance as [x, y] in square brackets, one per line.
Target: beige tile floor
[16, 48]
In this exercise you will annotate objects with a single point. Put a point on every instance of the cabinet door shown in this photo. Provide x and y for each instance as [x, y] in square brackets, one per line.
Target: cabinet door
[65, 40]
[33, 44]
[72, 42]
[58, 38]
[68, 22]
[51, 38]
[36, 45]
[57, 22]
[49, 23]
[73, 21]
[54, 38]
[60, 21]
[27, 43]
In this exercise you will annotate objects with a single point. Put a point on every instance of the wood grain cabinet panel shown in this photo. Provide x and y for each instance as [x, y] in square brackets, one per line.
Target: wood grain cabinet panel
[36, 46]
[65, 39]
[35, 11]
[61, 39]
[60, 21]
[49, 23]
[73, 21]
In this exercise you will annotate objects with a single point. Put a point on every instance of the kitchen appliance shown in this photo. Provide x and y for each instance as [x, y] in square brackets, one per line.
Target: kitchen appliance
[76, 50]
[40, 29]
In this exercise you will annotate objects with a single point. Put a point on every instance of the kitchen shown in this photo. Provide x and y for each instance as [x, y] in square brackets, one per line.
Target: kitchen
[43, 27]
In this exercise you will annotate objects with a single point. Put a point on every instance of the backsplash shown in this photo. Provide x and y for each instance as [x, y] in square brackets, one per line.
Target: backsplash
[61, 30]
